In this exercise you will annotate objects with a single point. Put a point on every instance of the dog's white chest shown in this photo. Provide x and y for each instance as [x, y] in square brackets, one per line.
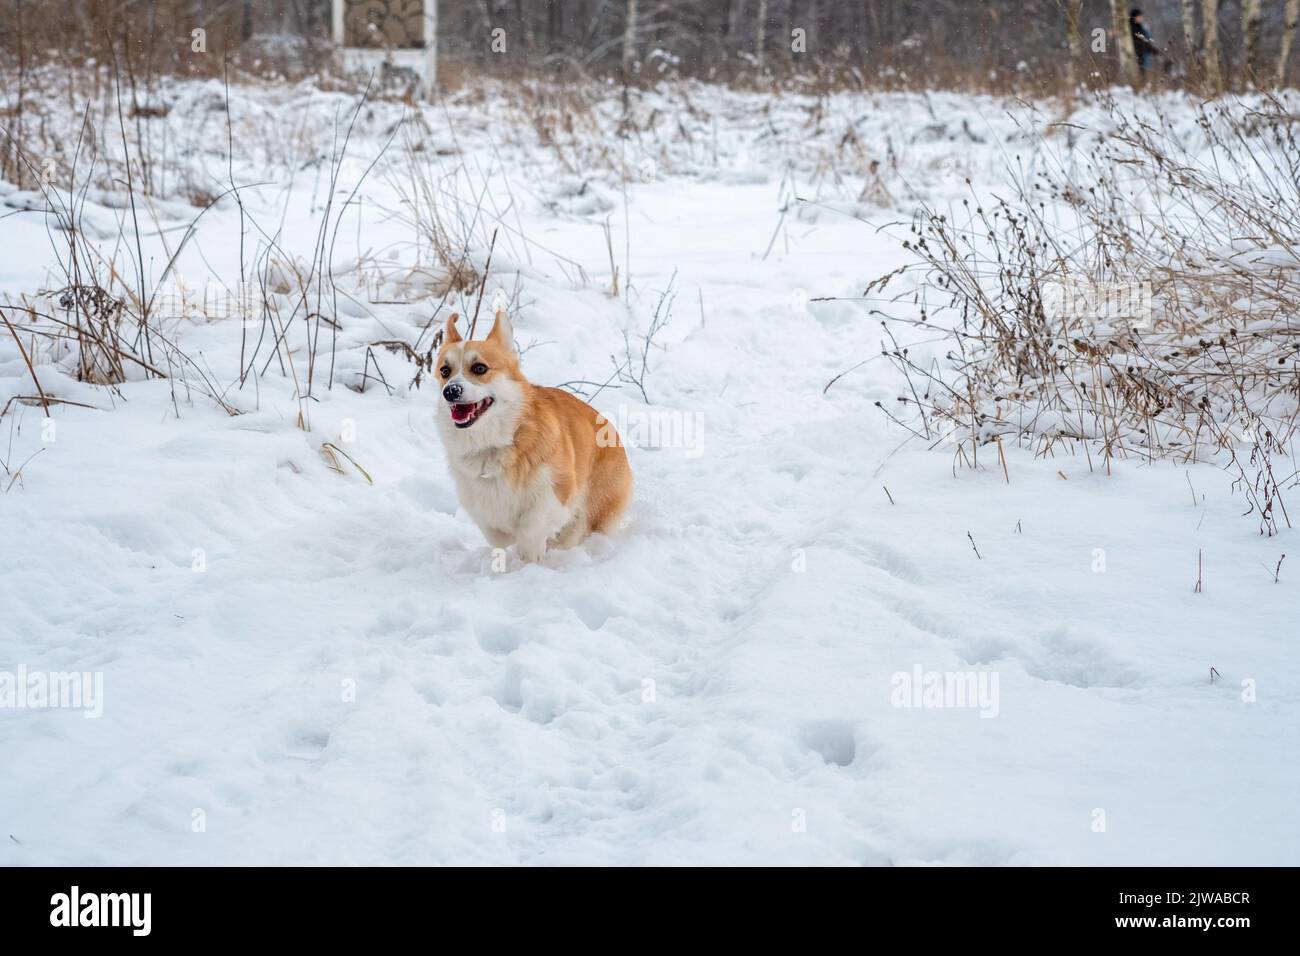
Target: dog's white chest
[490, 498]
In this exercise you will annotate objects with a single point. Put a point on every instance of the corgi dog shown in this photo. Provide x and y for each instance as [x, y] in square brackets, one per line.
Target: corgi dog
[535, 467]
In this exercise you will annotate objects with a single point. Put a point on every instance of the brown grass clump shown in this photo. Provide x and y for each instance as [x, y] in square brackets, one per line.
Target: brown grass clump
[1158, 319]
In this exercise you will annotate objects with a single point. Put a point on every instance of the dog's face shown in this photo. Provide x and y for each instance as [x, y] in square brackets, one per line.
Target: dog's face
[480, 379]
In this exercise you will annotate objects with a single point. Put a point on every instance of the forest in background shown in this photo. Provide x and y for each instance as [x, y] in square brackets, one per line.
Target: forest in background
[997, 44]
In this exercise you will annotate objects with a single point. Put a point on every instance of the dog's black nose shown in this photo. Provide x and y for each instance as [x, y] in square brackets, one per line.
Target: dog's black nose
[451, 393]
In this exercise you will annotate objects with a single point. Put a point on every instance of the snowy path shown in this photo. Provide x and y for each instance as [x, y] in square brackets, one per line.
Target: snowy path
[349, 681]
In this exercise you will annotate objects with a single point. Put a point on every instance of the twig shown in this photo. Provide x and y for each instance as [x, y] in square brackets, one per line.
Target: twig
[483, 284]
[842, 374]
[330, 447]
[27, 359]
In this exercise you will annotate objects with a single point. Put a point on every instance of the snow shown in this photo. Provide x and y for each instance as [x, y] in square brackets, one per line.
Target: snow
[301, 667]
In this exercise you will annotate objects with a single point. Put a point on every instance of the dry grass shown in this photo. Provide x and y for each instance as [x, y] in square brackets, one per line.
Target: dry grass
[1158, 320]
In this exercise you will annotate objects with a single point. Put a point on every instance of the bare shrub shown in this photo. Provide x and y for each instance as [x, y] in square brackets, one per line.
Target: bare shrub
[1149, 308]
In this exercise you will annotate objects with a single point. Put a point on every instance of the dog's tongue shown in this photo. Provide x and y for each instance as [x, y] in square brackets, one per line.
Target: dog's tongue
[462, 413]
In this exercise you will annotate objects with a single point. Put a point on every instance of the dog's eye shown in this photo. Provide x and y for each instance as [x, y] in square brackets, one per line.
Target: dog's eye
[445, 371]
[478, 368]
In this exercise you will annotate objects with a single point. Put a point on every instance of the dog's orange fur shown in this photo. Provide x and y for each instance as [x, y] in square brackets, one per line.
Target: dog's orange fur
[554, 430]
[559, 430]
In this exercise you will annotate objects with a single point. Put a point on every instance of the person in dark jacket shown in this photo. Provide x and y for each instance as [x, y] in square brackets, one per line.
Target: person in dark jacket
[1144, 45]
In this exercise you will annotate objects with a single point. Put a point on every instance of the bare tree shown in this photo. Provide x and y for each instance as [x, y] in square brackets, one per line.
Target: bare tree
[1124, 42]
[734, 11]
[1073, 10]
[873, 28]
[1290, 19]
[1210, 33]
[1252, 20]
[1189, 29]
[629, 39]
[916, 39]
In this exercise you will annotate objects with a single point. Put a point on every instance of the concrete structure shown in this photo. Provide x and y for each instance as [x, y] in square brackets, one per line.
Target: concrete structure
[368, 32]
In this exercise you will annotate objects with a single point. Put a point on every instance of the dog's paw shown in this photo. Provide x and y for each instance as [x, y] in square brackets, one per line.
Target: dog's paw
[532, 553]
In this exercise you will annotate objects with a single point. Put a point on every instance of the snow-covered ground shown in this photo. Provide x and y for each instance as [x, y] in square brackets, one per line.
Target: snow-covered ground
[299, 666]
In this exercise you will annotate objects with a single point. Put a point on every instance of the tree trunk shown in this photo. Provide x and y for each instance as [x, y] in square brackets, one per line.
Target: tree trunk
[1073, 10]
[1289, 21]
[1210, 32]
[629, 39]
[762, 31]
[1124, 42]
[1189, 32]
[1252, 21]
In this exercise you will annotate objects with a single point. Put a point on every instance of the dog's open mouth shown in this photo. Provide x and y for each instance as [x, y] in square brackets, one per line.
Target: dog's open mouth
[465, 414]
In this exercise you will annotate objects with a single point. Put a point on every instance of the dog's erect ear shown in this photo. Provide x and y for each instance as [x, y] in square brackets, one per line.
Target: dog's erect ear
[503, 333]
[453, 333]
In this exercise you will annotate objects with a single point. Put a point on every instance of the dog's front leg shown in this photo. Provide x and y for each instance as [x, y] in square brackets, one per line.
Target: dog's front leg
[531, 544]
[537, 525]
